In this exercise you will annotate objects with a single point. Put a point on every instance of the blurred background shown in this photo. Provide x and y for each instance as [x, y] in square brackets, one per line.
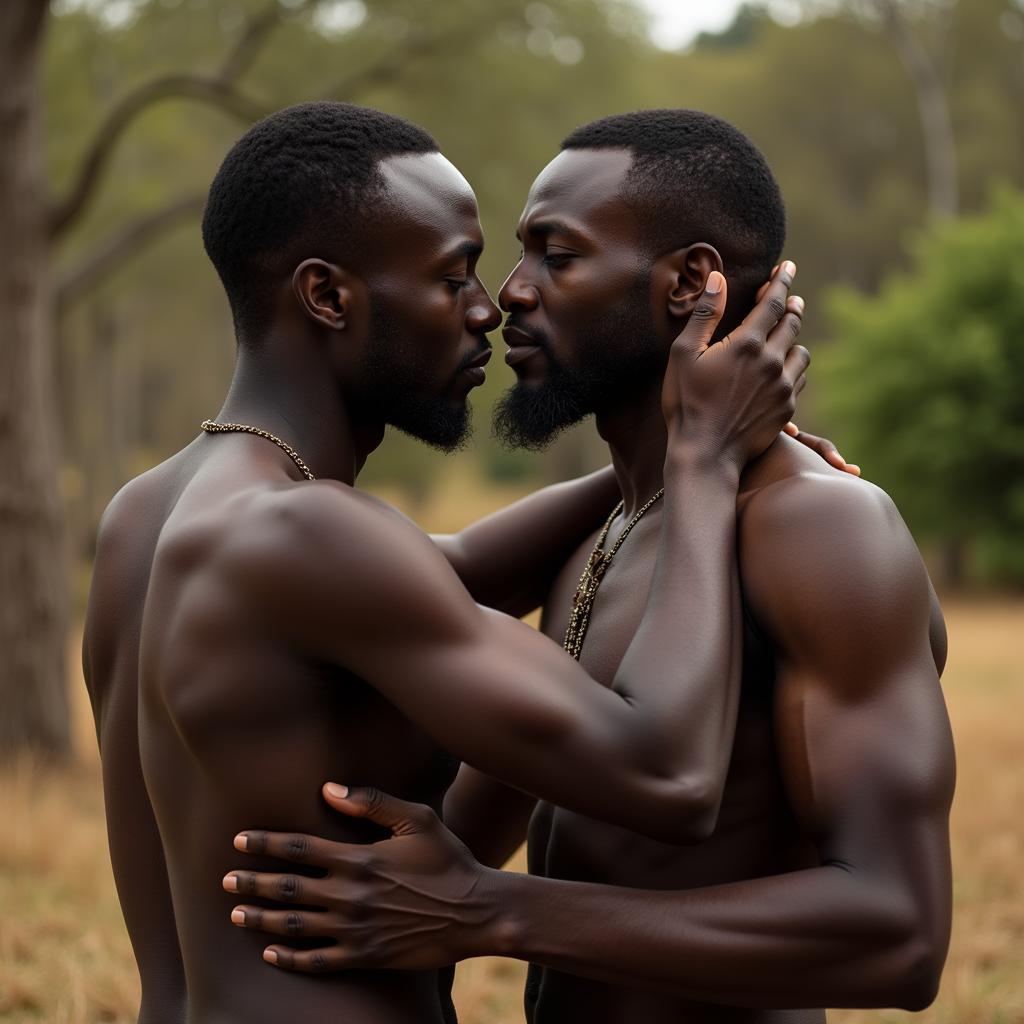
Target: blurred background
[896, 129]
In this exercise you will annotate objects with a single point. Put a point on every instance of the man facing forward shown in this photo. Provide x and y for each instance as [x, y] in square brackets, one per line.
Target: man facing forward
[821, 876]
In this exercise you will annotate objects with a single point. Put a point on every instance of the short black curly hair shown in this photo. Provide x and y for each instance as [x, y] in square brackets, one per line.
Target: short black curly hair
[301, 182]
[696, 178]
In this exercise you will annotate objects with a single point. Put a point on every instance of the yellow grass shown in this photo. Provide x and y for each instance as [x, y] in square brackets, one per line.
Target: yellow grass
[65, 957]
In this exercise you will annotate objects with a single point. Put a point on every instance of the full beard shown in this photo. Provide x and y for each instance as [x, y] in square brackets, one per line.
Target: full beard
[617, 354]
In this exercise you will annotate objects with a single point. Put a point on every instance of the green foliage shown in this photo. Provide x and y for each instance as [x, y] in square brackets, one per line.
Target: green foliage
[147, 354]
[926, 385]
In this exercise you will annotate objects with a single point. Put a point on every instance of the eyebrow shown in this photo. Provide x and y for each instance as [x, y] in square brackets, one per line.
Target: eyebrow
[549, 226]
[467, 248]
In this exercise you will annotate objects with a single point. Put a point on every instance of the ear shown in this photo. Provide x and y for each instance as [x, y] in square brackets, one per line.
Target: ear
[323, 291]
[686, 274]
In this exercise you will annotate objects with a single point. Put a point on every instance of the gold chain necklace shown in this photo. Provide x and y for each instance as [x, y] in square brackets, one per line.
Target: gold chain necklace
[593, 573]
[212, 427]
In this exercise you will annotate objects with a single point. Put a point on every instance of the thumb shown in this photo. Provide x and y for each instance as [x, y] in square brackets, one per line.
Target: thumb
[704, 320]
[381, 808]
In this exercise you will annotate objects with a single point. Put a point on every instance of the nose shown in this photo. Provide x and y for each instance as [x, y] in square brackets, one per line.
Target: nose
[517, 291]
[483, 315]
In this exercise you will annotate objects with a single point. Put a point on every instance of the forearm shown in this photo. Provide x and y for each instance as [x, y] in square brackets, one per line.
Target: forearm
[508, 559]
[681, 672]
[819, 937]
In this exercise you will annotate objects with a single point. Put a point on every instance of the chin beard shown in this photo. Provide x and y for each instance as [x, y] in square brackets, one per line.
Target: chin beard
[616, 355]
[439, 423]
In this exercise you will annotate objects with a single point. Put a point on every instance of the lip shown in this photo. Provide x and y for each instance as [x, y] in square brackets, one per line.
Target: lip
[517, 338]
[479, 360]
[520, 353]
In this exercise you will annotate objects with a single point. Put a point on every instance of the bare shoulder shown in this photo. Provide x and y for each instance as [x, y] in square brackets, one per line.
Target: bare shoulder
[328, 553]
[829, 569]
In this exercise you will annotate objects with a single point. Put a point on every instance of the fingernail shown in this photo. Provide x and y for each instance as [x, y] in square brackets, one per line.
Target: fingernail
[238, 916]
[714, 283]
[854, 467]
[241, 841]
[270, 956]
[789, 267]
[231, 883]
[337, 791]
[798, 301]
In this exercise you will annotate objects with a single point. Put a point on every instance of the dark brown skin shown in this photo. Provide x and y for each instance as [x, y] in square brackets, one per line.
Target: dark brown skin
[315, 622]
[821, 876]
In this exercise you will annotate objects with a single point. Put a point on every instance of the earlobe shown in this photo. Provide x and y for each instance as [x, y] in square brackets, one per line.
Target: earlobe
[689, 268]
[323, 293]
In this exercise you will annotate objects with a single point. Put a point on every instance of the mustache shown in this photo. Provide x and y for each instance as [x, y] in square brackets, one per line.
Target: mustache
[485, 346]
[535, 334]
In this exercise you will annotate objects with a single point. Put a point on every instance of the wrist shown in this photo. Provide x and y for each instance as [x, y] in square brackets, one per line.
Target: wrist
[689, 453]
[507, 895]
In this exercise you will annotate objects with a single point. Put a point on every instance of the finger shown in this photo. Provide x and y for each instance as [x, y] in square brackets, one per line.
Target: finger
[290, 846]
[795, 304]
[764, 287]
[705, 318]
[782, 338]
[293, 923]
[401, 816]
[308, 961]
[278, 887]
[791, 428]
[796, 363]
[801, 383]
[771, 307]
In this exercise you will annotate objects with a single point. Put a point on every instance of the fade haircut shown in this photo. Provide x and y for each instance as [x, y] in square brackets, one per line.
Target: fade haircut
[696, 178]
[302, 182]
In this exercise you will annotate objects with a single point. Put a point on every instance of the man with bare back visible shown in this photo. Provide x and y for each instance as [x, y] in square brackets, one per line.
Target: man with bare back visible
[257, 625]
[819, 874]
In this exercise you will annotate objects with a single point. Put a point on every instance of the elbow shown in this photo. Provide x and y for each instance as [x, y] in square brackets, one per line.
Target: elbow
[692, 816]
[917, 985]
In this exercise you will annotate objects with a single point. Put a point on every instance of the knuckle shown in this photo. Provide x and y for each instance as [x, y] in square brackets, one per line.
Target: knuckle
[297, 847]
[289, 889]
[794, 323]
[247, 883]
[777, 307]
[704, 310]
[748, 344]
[772, 365]
[318, 962]
[373, 798]
[294, 924]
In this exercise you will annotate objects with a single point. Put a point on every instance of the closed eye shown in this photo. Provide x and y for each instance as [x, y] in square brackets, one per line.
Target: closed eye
[556, 259]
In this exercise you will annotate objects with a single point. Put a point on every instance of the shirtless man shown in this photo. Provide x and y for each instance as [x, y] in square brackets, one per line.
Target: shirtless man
[820, 874]
[257, 625]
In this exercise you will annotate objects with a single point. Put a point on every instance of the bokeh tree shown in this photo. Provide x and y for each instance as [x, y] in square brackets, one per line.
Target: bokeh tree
[926, 385]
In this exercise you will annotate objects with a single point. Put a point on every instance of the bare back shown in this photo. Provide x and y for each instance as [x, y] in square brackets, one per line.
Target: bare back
[218, 687]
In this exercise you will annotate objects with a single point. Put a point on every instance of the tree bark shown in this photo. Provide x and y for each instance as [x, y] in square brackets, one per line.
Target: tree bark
[33, 565]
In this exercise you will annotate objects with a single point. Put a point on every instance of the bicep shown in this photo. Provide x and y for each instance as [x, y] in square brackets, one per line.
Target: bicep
[863, 737]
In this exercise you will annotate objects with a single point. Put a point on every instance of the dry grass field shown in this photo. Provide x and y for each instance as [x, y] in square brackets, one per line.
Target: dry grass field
[65, 958]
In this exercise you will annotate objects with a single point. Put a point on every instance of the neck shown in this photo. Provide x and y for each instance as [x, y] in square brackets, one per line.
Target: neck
[302, 404]
[635, 433]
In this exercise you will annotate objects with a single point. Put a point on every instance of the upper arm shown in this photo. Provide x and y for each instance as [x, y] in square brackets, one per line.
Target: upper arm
[376, 597]
[488, 816]
[832, 576]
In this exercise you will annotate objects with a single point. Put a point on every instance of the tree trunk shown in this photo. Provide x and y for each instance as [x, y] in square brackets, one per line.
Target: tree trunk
[33, 565]
[933, 108]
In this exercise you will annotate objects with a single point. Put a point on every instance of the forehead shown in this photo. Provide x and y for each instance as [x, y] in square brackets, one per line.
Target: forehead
[583, 186]
[428, 201]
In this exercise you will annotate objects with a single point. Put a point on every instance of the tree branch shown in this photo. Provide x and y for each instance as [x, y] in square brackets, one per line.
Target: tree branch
[217, 90]
[80, 279]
